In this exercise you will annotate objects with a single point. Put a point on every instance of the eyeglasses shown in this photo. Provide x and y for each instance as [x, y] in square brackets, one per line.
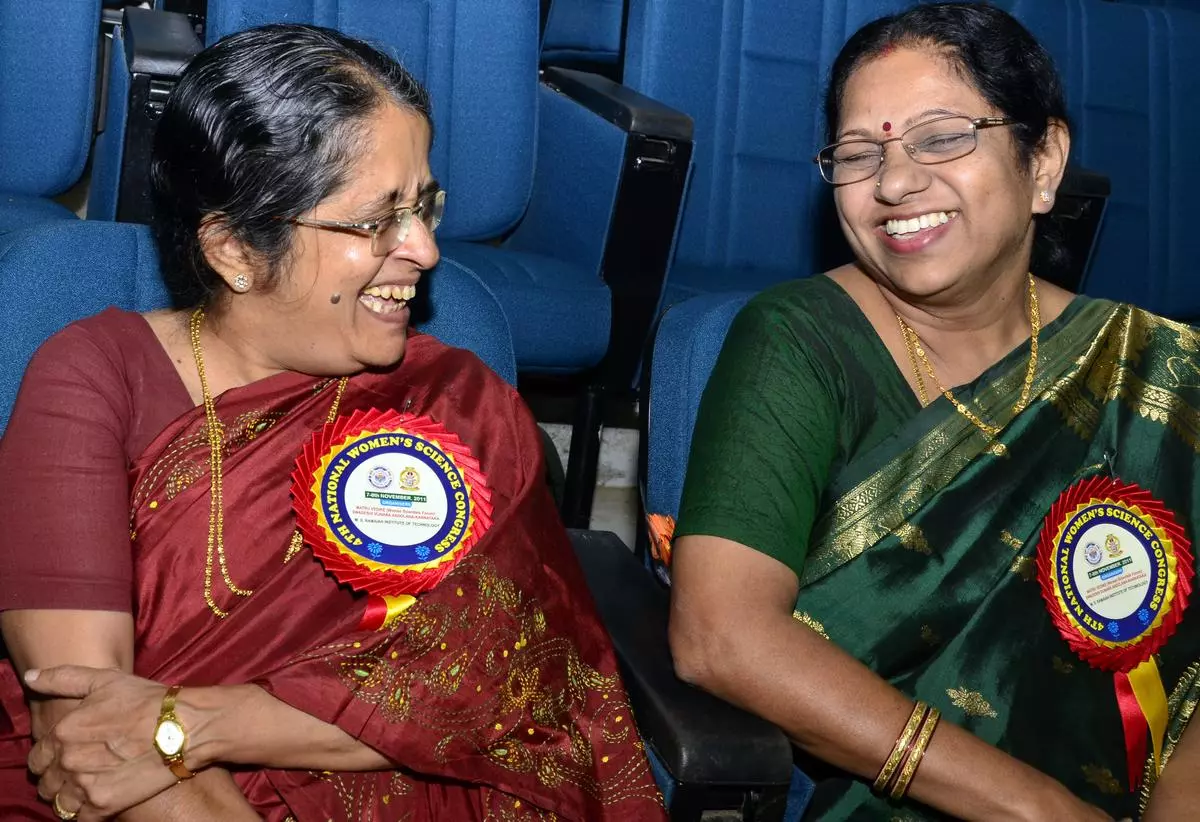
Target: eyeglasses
[389, 232]
[935, 141]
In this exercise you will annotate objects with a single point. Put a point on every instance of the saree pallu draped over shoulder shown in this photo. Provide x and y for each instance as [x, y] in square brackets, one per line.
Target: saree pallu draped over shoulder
[496, 693]
[943, 529]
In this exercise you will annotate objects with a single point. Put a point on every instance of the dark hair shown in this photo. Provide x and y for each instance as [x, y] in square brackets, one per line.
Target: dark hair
[262, 127]
[992, 51]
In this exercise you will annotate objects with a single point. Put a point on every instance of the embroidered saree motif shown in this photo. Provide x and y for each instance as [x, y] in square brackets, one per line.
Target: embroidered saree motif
[523, 682]
[971, 703]
[807, 619]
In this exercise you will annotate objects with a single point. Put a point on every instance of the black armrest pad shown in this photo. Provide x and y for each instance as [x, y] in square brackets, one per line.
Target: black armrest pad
[158, 43]
[701, 739]
[631, 111]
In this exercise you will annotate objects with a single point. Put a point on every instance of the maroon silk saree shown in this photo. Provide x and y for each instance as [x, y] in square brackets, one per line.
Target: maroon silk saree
[496, 694]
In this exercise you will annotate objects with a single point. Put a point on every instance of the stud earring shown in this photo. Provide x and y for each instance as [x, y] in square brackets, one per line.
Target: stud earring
[1045, 196]
[241, 283]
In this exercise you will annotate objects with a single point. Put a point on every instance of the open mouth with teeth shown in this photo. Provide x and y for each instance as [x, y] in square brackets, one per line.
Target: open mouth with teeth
[904, 229]
[387, 299]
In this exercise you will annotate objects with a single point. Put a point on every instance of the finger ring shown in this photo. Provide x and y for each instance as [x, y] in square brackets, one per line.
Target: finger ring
[61, 812]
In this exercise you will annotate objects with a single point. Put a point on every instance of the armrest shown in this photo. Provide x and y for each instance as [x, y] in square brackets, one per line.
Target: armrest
[158, 43]
[149, 50]
[620, 105]
[702, 740]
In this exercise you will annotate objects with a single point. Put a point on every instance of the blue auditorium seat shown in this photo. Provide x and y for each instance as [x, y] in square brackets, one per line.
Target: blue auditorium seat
[689, 338]
[120, 268]
[584, 34]
[47, 92]
[751, 75]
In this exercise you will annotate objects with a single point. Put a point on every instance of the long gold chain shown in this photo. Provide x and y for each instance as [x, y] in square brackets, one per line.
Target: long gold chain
[916, 351]
[216, 439]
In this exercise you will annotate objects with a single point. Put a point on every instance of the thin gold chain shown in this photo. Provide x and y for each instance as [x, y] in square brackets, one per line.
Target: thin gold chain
[216, 438]
[916, 351]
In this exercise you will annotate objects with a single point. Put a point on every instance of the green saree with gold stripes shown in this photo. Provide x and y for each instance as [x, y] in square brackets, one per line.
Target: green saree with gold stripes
[922, 557]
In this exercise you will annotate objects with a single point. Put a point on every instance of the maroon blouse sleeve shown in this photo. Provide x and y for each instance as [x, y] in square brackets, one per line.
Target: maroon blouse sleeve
[64, 488]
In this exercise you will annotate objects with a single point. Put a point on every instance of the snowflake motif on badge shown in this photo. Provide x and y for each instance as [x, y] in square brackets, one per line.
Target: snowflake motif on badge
[1144, 616]
[374, 549]
[1114, 628]
[422, 551]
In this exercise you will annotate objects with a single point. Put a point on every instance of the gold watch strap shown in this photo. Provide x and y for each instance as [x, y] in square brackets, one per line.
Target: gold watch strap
[167, 711]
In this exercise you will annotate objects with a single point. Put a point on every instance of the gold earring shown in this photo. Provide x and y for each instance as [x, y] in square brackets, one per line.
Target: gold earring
[1045, 196]
[241, 283]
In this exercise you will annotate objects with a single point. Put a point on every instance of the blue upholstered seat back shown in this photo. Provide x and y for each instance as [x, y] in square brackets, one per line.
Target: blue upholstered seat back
[478, 59]
[686, 346]
[56, 273]
[584, 30]
[752, 72]
[47, 92]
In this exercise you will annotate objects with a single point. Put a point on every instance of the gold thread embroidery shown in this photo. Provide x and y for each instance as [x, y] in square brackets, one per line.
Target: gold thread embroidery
[1025, 568]
[913, 538]
[862, 515]
[1061, 666]
[512, 727]
[971, 703]
[1012, 542]
[807, 618]
[1102, 779]
[1181, 706]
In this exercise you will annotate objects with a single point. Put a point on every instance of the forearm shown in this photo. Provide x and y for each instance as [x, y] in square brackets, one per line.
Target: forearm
[244, 725]
[211, 796]
[837, 709]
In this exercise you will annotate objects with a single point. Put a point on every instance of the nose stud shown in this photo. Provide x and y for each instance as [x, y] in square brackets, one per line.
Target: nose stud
[335, 298]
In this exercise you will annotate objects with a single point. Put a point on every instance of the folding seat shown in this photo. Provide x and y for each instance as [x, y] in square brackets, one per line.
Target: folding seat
[48, 284]
[47, 94]
[584, 34]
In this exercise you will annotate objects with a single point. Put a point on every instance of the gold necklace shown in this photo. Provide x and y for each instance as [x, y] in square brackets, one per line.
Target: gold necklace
[216, 510]
[917, 351]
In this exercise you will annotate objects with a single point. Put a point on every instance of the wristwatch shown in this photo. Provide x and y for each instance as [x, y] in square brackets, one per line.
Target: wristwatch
[170, 739]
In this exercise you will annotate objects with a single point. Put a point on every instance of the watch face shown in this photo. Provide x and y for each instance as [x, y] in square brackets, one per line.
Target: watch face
[169, 737]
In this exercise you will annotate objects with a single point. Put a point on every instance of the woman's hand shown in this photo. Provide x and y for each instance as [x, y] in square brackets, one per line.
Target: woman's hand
[99, 759]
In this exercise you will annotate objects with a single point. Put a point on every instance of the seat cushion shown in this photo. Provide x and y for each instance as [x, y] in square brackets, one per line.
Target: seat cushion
[21, 211]
[559, 313]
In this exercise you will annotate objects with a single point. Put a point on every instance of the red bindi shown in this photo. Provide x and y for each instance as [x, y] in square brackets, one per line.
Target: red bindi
[887, 126]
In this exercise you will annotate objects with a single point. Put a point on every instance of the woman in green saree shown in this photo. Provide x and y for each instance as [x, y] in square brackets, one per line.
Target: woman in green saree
[856, 541]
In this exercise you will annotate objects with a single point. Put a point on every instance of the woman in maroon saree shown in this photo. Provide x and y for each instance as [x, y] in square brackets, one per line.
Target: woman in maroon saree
[495, 695]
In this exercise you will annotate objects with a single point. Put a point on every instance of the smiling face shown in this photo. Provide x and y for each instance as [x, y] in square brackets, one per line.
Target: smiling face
[933, 231]
[338, 308]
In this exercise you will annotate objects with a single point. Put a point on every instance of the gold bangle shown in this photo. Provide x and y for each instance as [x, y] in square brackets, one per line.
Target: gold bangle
[918, 753]
[900, 749]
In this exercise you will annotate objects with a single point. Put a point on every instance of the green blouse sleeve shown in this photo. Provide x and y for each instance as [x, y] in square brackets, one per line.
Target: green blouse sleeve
[765, 436]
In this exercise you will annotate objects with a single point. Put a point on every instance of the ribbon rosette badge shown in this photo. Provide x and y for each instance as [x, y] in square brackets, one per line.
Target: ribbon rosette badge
[1116, 572]
[389, 538]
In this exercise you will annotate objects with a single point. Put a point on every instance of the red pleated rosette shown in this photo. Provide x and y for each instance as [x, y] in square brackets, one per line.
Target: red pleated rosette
[1096, 644]
[389, 502]
[1116, 572]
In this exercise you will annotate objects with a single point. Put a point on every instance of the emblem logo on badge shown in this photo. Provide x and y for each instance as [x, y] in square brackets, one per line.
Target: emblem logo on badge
[380, 477]
[1093, 554]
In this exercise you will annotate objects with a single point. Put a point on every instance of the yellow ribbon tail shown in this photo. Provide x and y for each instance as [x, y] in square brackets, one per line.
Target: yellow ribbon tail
[1152, 699]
